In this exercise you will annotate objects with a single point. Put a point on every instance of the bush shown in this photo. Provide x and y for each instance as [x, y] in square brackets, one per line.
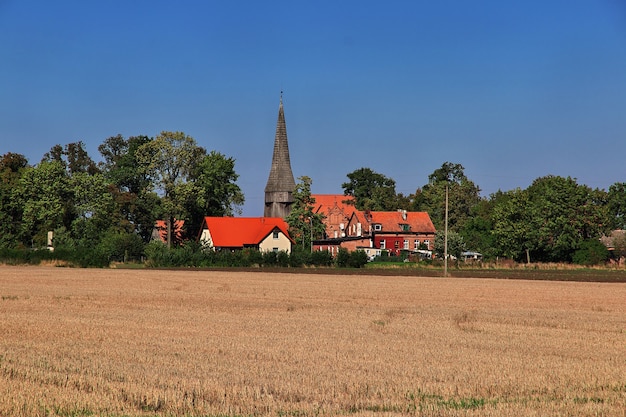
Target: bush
[591, 252]
[321, 258]
[358, 259]
[343, 258]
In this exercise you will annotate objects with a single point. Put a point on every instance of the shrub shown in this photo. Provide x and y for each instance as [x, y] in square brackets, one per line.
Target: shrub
[343, 258]
[591, 252]
[321, 258]
[358, 259]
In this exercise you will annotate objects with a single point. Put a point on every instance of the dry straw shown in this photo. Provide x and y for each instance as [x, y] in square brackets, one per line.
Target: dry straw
[162, 343]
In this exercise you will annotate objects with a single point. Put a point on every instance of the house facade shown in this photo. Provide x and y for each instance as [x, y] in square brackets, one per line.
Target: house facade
[236, 233]
[337, 212]
[393, 231]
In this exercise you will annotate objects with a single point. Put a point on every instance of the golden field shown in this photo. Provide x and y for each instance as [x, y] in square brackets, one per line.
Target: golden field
[85, 342]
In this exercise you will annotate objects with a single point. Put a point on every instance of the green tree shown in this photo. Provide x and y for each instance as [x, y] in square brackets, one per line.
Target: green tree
[371, 190]
[169, 160]
[617, 205]
[11, 167]
[477, 231]
[212, 190]
[44, 195]
[74, 158]
[513, 224]
[138, 206]
[463, 196]
[302, 220]
[456, 245]
[549, 220]
[564, 215]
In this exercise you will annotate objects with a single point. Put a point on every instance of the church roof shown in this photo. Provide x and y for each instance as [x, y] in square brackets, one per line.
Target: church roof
[281, 177]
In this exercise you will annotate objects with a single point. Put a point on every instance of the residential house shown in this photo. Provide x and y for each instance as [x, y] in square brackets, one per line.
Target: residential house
[235, 233]
[393, 231]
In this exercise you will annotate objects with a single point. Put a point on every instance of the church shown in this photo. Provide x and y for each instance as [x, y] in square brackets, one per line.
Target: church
[280, 184]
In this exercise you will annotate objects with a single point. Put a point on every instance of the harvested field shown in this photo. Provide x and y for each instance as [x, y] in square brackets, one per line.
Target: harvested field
[78, 342]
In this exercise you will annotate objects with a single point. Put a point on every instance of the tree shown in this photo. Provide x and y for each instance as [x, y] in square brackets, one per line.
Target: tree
[512, 224]
[303, 222]
[564, 215]
[617, 205]
[12, 166]
[549, 220]
[212, 190]
[44, 195]
[371, 190]
[456, 245]
[169, 161]
[74, 158]
[138, 206]
[463, 196]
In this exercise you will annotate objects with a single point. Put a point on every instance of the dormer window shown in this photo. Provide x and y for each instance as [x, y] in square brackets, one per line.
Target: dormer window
[378, 227]
[405, 227]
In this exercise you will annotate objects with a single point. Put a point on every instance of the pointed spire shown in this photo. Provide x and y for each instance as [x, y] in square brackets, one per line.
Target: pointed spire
[280, 184]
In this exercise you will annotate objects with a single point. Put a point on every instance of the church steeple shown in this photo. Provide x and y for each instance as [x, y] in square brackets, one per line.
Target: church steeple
[280, 184]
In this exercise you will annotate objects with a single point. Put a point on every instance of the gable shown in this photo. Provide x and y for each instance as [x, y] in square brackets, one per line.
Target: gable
[239, 232]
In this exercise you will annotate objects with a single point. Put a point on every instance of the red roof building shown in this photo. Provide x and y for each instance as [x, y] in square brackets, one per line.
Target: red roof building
[393, 231]
[234, 233]
[337, 211]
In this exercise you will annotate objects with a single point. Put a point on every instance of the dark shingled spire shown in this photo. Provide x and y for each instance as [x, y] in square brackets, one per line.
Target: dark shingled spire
[280, 184]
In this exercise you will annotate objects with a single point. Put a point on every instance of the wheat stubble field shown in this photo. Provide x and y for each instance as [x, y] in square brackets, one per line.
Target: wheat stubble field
[76, 342]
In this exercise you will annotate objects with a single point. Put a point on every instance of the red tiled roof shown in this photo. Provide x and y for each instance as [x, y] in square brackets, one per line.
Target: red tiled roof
[237, 232]
[323, 202]
[391, 221]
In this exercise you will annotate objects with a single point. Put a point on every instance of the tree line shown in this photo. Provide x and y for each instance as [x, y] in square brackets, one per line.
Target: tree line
[108, 209]
[555, 219]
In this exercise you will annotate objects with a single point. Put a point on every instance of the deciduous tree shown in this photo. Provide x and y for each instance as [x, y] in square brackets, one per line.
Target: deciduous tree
[371, 190]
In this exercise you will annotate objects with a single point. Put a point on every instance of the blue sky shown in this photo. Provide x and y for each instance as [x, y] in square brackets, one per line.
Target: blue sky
[511, 90]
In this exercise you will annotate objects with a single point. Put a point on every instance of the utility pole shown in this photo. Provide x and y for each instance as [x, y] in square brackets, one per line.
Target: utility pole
[311, 229]
[445, 237]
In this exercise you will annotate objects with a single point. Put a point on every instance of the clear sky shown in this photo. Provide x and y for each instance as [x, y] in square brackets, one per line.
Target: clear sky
[512, 90]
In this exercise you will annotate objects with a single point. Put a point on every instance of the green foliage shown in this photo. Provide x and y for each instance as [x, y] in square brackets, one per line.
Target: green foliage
[371, 190]
[591, 252]
[321, 258]
[463, 196]
[616, 205]
[456, 244]
[343, 258]
[358, 259]
[303, 223]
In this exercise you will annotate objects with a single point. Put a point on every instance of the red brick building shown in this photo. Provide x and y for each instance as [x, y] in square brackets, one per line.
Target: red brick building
[393, 231]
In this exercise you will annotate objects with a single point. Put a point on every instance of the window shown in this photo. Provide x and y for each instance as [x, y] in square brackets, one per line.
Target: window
[275, 250]
[378, 227]
[406, 244]
[416, 244]
[275, 235]
[382, 244]
[427, 243]
[405, 227]
[396, 244]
